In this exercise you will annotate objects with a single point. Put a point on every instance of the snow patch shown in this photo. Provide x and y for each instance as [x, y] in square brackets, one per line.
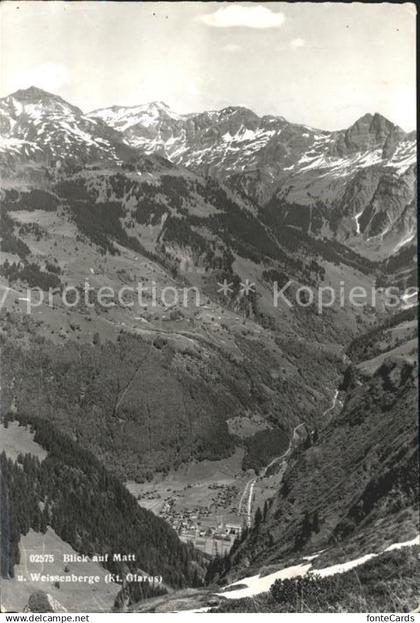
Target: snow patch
[257, 584]
[415, 541]
[342, 567]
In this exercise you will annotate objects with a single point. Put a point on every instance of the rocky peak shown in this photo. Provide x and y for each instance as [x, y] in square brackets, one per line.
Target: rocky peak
[370, 132]
[36, 96]
[238, 112]
[159, 105]
[374, 126]
[234, 118]
[32, 94]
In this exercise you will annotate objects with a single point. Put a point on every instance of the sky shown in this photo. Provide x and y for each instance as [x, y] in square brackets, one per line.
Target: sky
[321, 64]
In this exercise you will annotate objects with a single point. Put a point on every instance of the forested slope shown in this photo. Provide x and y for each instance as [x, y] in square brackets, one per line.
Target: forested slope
[90, 509]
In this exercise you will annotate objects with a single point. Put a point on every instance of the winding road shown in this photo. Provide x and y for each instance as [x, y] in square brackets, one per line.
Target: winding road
[277, 459]
[245, 503]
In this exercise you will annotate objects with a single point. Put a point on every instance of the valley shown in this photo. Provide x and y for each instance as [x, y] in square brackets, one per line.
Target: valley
[160, 396]
[210, 503]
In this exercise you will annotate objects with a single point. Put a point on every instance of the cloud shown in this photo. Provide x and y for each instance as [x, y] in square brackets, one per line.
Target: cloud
[236, 15]
[231, 47]
[297, 43]
[48, 76]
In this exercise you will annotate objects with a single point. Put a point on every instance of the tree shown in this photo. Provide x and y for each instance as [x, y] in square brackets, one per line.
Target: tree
[258, 518]
[265, 511]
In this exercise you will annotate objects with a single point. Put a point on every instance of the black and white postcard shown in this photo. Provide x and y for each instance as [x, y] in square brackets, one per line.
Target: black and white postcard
[208, 303]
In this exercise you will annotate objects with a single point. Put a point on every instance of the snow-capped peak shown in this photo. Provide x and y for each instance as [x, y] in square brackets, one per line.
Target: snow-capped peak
[36, 97]
[124, 117]
[37, 124]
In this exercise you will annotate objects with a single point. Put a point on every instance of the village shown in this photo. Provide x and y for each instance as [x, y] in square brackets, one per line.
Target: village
[212, 528]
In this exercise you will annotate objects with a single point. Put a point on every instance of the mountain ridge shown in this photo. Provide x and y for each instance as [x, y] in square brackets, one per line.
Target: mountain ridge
[303, 171]
[33, 91]
[355, 185]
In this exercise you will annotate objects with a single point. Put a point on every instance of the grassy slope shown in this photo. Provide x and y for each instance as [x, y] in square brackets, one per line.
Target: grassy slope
[388, 583]
[354, 489]
[209, 363]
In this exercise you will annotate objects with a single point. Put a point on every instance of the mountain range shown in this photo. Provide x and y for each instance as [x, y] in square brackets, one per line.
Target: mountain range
[352, 185]
[230, 205]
